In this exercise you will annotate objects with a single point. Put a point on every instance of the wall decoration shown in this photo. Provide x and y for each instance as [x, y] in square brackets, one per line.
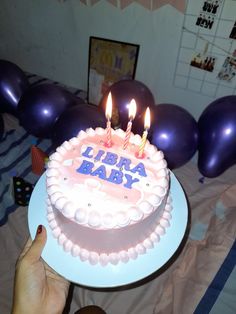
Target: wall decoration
[109, 62]
[208, 12]
[147, 4]
[211, 6]
[228, 70]
[203, 62]
[207, 52]
[233, 32]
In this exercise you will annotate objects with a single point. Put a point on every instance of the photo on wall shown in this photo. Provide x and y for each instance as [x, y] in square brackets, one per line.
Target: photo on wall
[109, 62]
[204, 62]
[228, 70]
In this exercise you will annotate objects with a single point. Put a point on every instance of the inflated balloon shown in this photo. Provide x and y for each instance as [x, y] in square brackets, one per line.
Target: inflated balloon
[1, 127]
[40, 107]
[217, 137]
[175, 132]
[76, 119]
[122, 93]
[13, 83]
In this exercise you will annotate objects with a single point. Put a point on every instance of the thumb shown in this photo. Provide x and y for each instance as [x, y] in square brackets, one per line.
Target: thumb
[35, 251]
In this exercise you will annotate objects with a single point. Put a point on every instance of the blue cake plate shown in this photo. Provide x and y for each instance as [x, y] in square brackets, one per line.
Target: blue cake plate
[96, 276]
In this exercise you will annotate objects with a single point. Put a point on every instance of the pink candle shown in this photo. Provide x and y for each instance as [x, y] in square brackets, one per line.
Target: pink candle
[108, 142]
[132, 113]
[108, 116]
[145, 133]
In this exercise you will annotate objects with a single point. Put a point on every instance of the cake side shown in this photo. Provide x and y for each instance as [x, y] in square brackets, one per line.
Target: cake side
[109, 246]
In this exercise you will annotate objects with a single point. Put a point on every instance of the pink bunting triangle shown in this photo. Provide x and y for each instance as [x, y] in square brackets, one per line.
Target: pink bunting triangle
[113, 2]
[178, 4]
[148, 4]
[145, 4]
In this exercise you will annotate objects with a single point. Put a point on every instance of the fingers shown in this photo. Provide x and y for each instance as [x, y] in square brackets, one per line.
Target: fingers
[54, 275]
[35, 250]
[26, 248]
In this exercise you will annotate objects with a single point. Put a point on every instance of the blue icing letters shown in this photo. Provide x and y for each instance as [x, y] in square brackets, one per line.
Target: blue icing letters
[85, 167]
[130, 181]
[111, 159]
[100, 172]
[115, 177]
[124, 162]
[140, 169]
[86, 153]
[99, 155]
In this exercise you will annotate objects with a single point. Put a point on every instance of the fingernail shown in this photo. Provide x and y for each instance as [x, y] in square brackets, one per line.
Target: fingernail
[39, 229]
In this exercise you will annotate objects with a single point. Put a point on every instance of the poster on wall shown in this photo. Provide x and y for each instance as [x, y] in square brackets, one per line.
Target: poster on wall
[109, 62]
[208, 13]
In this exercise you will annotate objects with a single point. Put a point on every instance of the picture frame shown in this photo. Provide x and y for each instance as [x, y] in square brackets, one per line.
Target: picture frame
[109, 61]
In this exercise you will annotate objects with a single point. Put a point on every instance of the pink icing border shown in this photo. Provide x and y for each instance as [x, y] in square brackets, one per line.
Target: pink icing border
[114, 258]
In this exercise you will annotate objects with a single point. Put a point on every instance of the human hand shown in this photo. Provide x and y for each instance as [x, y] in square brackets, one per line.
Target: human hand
[38, 289]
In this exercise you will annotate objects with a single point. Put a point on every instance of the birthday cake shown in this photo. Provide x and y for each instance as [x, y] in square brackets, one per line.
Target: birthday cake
[107, 204]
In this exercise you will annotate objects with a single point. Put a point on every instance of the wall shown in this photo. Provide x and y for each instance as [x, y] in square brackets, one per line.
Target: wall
[51, 38]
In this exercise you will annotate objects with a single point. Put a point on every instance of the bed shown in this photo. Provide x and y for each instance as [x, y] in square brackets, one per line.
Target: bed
[200, 278]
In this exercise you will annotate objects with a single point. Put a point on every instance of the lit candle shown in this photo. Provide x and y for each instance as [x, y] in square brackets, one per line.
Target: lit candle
[108, 116]
[145, 133]
[132, 113]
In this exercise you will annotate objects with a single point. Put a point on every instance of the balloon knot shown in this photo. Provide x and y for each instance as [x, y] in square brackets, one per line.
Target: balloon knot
[202, 179]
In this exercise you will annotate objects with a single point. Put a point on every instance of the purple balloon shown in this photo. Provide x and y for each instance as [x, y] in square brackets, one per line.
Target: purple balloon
[76, 119]
[13, 83]
[40, 107]
[217, 137]
[122, 93]
[175, 132]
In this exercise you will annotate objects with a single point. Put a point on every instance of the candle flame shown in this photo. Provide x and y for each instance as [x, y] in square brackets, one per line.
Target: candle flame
[132, 109]
[147, 120]
[109, 106]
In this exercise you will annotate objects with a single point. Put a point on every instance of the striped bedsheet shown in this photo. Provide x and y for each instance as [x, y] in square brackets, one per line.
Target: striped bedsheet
[15, 160]
[15, 155]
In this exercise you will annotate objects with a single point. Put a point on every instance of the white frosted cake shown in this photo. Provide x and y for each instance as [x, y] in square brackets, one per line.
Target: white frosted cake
[106, 205]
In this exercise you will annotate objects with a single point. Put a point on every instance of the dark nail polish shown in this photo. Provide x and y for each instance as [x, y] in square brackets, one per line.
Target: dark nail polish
[39, 229]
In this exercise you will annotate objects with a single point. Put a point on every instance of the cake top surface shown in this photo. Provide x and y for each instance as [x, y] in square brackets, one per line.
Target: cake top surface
[105, 187]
